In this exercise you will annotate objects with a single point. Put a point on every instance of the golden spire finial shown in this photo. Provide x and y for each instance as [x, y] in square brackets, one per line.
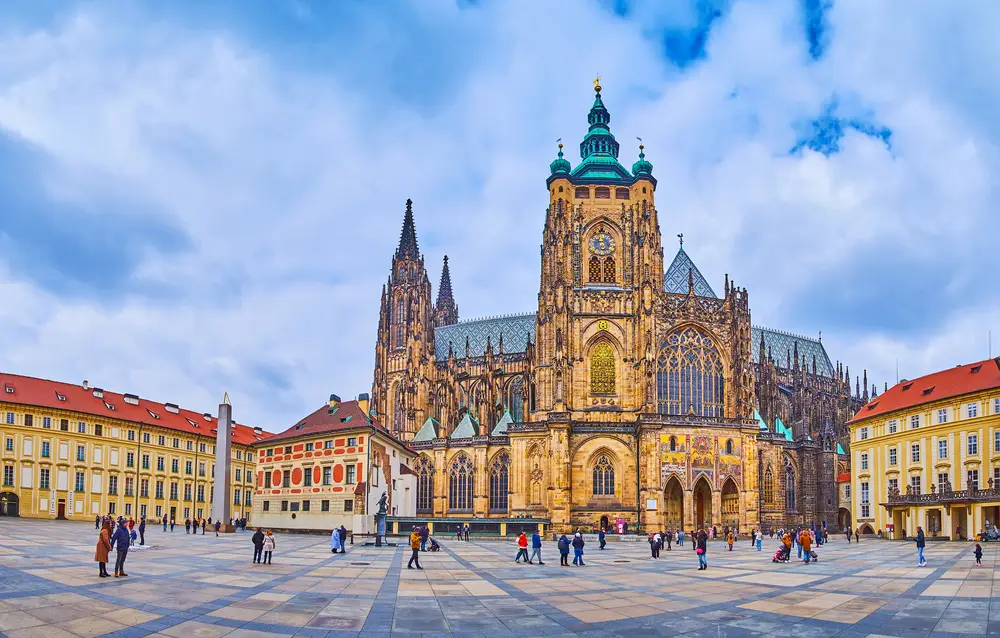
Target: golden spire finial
[597, 83]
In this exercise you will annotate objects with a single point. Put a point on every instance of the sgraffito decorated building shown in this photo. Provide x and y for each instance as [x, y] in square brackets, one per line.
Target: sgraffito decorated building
[633, 392]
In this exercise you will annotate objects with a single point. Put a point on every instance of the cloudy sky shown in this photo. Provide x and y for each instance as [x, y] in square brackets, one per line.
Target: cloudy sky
[197, 199]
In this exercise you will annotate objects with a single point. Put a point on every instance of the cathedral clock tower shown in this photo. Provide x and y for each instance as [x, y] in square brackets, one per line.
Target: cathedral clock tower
[602, 267]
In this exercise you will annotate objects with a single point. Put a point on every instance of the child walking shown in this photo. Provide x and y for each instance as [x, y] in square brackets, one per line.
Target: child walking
[979, 555]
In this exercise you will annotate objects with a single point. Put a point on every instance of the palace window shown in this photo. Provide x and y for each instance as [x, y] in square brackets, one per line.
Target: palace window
[892, 458]
[973, 444]
[942, 481]
[864, 461]
[915, 453]
[892, 426]
[942, 415]
[499, 475]
[689, 375]
[942, 449]
[768, 486]
[972, 410]
[425, 484]
[789, 486]
[602, 369]
[461, 478]
[914, 421]
[604, 477]
[582, 192]
[602, 192]
[915, 485]
[972, 479]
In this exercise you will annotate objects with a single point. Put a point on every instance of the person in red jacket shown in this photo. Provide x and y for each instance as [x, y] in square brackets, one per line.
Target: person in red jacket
[522, 548]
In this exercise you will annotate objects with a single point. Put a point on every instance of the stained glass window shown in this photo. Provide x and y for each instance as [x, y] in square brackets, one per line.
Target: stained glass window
[425, 484]
[460, 481]
[768, 486]
[602, 369]
[689, 376]
[604, 477]
[499, 474]
[595, 270]
[515, 399]
[609, 270]
[789, 486]
[398, 414]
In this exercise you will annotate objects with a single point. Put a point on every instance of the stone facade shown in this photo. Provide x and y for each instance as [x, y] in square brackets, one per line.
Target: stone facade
[633, 392]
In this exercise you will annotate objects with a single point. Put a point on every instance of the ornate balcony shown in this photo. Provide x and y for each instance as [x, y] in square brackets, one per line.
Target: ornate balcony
[945, 495]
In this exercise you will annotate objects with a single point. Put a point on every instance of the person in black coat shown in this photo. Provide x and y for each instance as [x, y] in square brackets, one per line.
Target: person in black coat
[142, 530]
[343, 538]
[258, 545]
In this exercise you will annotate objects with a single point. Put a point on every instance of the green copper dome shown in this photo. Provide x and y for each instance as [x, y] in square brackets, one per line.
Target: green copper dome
[560, 165]
[642, 168]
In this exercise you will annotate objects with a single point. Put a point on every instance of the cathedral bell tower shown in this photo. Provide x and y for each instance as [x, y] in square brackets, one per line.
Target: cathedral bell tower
[404, 349]
[602, 267]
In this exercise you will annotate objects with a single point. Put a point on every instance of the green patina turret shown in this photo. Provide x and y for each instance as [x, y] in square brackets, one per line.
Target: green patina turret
[642, 168]
[599, 138]
[560, 166]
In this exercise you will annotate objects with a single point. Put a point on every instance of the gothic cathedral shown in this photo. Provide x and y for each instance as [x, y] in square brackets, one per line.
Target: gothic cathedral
[632, 394]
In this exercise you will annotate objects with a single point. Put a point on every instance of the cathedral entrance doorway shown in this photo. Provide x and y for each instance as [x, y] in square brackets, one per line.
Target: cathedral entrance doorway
[703, 503]
[604, 523]
[673, 501]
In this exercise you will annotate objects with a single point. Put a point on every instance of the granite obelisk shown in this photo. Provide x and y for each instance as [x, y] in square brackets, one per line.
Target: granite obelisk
[222, 491]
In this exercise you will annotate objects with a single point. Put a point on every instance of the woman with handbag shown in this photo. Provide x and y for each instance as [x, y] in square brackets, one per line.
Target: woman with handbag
[702, 549]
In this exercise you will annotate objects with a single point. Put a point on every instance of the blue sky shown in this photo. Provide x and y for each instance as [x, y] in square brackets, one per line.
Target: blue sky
[204, 197]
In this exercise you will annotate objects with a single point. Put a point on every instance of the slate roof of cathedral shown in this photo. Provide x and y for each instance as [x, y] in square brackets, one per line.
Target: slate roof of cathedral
[467, 428]
[56, 395]
[780, 343]
[427, 431]
[676, 279]
[516, 331]
[500, 429]
[951, 382]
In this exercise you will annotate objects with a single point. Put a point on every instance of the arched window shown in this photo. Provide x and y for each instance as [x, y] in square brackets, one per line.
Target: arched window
[515, 399]
[595, 270]
[398, 409]
[499, 474]
[729, 446]
[604, 477]
[673, 444]
[689, 375]
[789, 486]
[425, 485]
[461, 477]
[768, 486]
[531, 398]
[602, 369]
[610, 275]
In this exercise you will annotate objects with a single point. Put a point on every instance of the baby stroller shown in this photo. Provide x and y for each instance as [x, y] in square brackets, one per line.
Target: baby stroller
[813, 556]
[435, 547]
[779, 556]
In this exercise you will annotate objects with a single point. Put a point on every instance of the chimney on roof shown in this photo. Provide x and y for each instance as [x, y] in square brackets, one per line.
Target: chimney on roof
[334, 401]
[86, 385]
[363, 403]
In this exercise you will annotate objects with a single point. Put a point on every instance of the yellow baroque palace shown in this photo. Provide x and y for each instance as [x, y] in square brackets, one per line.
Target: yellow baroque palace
[632, 394]
[927, 452]
[76, 451]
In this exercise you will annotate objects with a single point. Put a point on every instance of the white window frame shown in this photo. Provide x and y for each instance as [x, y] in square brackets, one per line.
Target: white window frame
[863, 434]
[892, 426]
[942, 448]
[942, 415]
[972, 444]
[914, 421]
[892, 456]
[972, 410]
[914, 452]
[864, 460]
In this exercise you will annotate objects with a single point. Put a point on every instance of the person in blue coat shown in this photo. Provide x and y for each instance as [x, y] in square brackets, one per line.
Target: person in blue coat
[536, 548]
[120, 541]
[602, 538]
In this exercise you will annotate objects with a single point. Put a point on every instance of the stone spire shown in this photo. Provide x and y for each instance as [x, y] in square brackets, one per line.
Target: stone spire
[446, 308]
[408, 237]
[222, 490]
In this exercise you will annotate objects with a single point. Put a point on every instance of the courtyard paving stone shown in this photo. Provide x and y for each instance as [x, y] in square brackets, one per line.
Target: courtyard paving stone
[195, 585]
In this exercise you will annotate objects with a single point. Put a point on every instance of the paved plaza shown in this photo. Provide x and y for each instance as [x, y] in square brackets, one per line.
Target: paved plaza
[205, 586]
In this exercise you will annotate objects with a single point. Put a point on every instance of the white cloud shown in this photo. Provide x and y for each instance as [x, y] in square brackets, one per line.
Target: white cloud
[290, 174]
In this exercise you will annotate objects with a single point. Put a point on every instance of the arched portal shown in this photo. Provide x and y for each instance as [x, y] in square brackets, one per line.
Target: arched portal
[702, 503]
[844, 518]
[8, 504]
[673, 504]
[604, 523]
[730, 504]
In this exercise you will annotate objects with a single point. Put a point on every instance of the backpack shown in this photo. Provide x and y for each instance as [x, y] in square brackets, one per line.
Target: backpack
[563, 545]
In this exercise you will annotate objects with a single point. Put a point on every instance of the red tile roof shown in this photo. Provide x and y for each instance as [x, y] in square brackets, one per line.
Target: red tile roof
[346, 416]
[42, 393]
[952, 382]
[844, 477]
[405, 469]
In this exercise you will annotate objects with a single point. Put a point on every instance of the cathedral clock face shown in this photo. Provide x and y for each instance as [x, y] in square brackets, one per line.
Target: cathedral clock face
[602, 244]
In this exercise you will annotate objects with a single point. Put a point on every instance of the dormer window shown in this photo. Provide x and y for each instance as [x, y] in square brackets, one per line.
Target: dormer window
[8, 388]
[907, 387]
[131, 399]
[109, 406]
[152, 414]
[61, 397]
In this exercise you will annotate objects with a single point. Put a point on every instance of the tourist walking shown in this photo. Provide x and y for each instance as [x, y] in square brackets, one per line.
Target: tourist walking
[857, 534]
[730, 538]
[680, 538]
[103, 547]
[203, 522]
[120, 541]
[563, 551]
[978, 551]
[187, 525]
[415, 547]
[164, 523]
[269, 545]
[258, 545]
[173, 521]
[536, 548]
[602, 538]
[701, 547]
[218, 526]
[335, 545]
[97, 522]
[142, 531]
[343, 538]
[522, 548]
[424, 533]
[920, 547]
[805, 545]
[468, 529]
[578, 544]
